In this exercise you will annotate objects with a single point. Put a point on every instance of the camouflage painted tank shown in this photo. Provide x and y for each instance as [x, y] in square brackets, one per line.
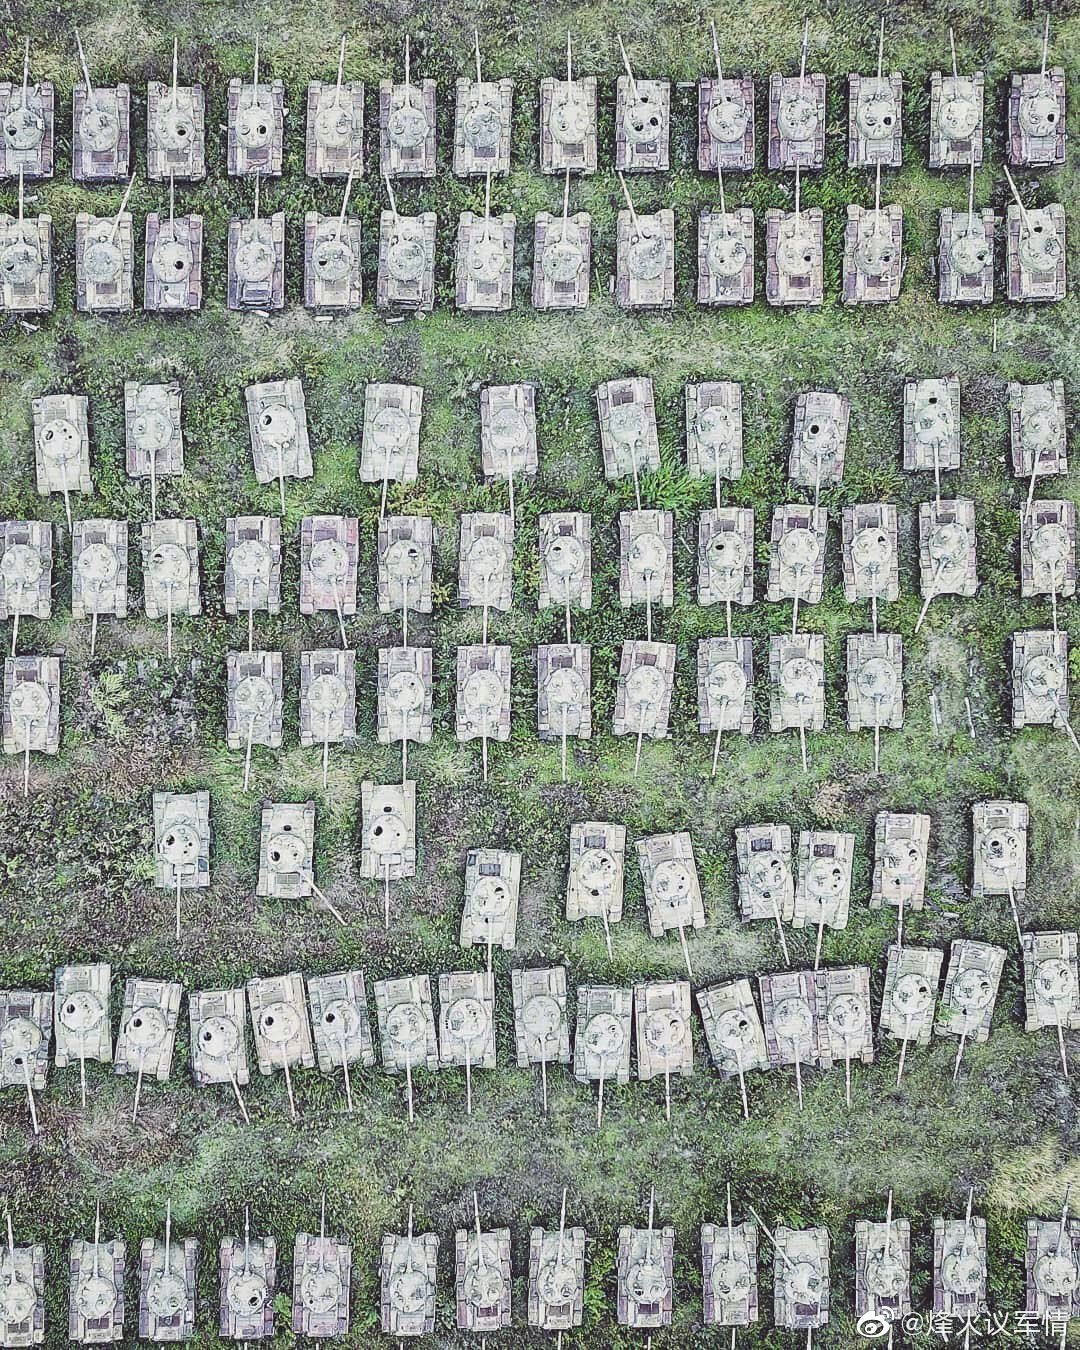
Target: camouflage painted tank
[883, 1269]
[725, 682]
[175, 132]
[1052, 1268]
[96, 1289]
[562, 258]
[340, 1023]
[725, 257]
[483, 693]
[27, 128]
[405, 695]
[797, 682]
[873, 264]
[332, 276]
[172, 276]
[965, 259]
[252, 564]
[665, 1043]
[286, 850]
[483, 1280]
[644, 1273]
[407, 1284]
[541, 1022]
[182, 839]
[482, 111]
[247, 1274]
[1040, 679]
[765, 878]
[568, 123]
[563, 691]
[594, 887]
[153, 434]
[1036, 135]
[801, 1278]
[256, 263]
[797, 553]
[61, 444]
[875, 686]
[644, 689]
[329, 554]
[1051, 981]
[556, 1278]
[823, 885]
[932, 424]
[99, 568]
[565, 560]
[1048, 549]
[910, 993]
[875, 120]
[971, 986]
[334, 136]
[22, 1294]
[485, 560]
[871, 565]
[796, 121]
[670, 880]
[726, 556]
[390, 448]
[819, 438]
[407, 129]
[279, 1022]
[26, 568]
[321, 1278]
[218, 1037]
[388, 830]
[26, 1030]
[1035, 252]
[729, 1276]
[83, 1027]
[170, 562]
[104, 263]
[1037, 436]
[845, 1019]
[999, 848]
[467, 1019]
[31, 705]
[645, 260]
[406, 274]
[603, 1034]
[406, 564]
[147, 1034]
[733, 1029]
[407, 1033]
[256, 127]
[956, 120]
[790, 1017]
[628, 437]
[901, 848]
[795, 257]
[26, 265]
[960, 1266]
[947, 547]
[725, 122]
[508, 430]
[646, 563]
[100, 133]
[167, 1287]
[484, 262]
[327, 697]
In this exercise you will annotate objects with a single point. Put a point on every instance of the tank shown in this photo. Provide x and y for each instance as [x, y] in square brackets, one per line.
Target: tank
[670, 880]
[733, 1029]
[956, 120]
[883, 1269]
[823, 885]
[725, 123]
[565, 560]
[96, 1289]
[642, 125]
[321, 1276]
[256, 264]
[643, 692]
[248, 1273]
[332, 277]
[725, 685]
[483, 1280]
[327, 697]
[1040, 679]
[390, 447]
[388, 830]
[873, 265]
[407, 129]
[340, 1022]
[541, 1023]
[959, 1266]
[1052, 1269]
[797, 553]
[26, 265]
[794, 257]
[61, 444]
[797, 682]
[99, 568]
[628, 437]
[407, 1279]
[100, 133]
[875, 121]
[26, 568]
[334, 138]
[485, 560]
[725, 257]
[182, 840]
[175, 132]
[556, 1278]
[104, 264]
[714, 430]
[801, 1287]
[965, 259]
[871, 565]
[646, 563]
[31, 704]
[603, 1032]
[27, 129]
[645, 1279]
[765, 877]
[819, 438]
[286, 849]
[645, 260]
[147, 1036]
[1037, 436]
[1035, 252]
[467, 1019]
[729, 1274]
[26, 1030]
[875, 684]
[279, 1022]
[172, 276]
[665, 1042]
[1048, 549]
[563, 691]
[406, 274]
[1036, 138]
[256, 128]
[152, 429]
[277, 427]
[508, 430]
[790, 1017]
[796, 121]
[845, 1018]
[482, 110]
[726, 556]
[932, 424]
[22, 1310]
[568, 125]
[910, 992]
[901, 848]
[252, 564]
[971, 986]
[999, 848]
[484, 263]
[405, 695]
[483, 693]
[405, 564]
[329, 554]
[1051, 981]
[167, 1288]
[83, 1026]
[218, 1024]
[594, 887]
[947, 547]
[406, 1024]
[170, 563]
[562, 257]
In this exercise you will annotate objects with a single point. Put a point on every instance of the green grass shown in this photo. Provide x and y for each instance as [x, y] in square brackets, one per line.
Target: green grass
[75, 861]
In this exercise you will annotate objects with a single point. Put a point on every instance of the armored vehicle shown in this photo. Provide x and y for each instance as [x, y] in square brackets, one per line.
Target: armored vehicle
[669, 877]
[714, 430]
[256, 263]
[175, 132]
[823, 886]
[797, 121]
[277, 426]
[484, 264]
[467, 1020]
[170, 562]
[541, 1023]
[797, 553]
[407, 128]
[797, 682]
[766, 881]
[1051, 981]
[482, 112]
[485, 560]
[406, 557]
[96, 1288]
[568, 122]
[61, 444]
[819, 439]
[642, 123]
[321, 1276]
[563, 691]
[218, 1037]
[26, 1030]
[286, 850]
[1035, 252]
[725, 122]
[873, 265]
[390, 447]
[1037, 437]
[181, 840]
[971, 986]
[167, 1287]
[26, 265]
[172, 276]
[790, 1018]
[340, 1022]
[602, 1037]
[256, 127]
[947, 548]
[956, 120]
[483, 693]
[594, 887]
[407, 1279]
[104, 263]
[901, 847]
[405, 695]
[22, 1304]
[327, 697]
[483, 1280]
[801, 1278]
[388, 830]
[153, 434]
[100, 132]
[645, 260]
[147, 1032]
[725, 682]
[1048, 549]
[875, 120]
[329, 553]
[907, 1002]
[332, 277]
[965, 259]
[733, 1028]
[725, 257]
[99, 569]
[794, 257]
[960, 1265]
[279, 1022]
[870, 553]
[26, 567]
[1040, 679]
[628, 437]
[27, 127]
[1052, 1268]
[875, 685]
[883, 1268]
[932, 424]
[556, 1278]
[665, 1043]
[999, 848]
[248, 1273]
[508, 430]
[644, 1271]
[406, 274]
[31, 706]
[252, 564]
[646, 564]
[334, 138]
[407, 1032]
[726, 556]
[729, 1273]
[562, 257]
[1036, 137]
[565, 560]
[845, 1019]
[83, 1026]
[643, 693]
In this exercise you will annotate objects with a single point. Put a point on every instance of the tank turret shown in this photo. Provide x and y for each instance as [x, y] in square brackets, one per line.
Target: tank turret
[256, 263]
[104, 263]
[645, 260]
[31, 707]
[329, 554]
[796, 121]
[965, 259]
[147, 1032]
[947, 548]
[332, 277]
[101, 133]
[568, 122]
[646, 563]
[1048, 549]
[390, 447]
[99, 568]
[321, 1277]
[562, 258]
[218, 1025]
[485, 560]
[96, 1289]
[797, 553]
[27, 128]
[83, 1027]
[1040, 679]
[823, 886]
[797, 682]
[407, 1034]
[1036, 138]
[483, 1280]
[871, 565]
[26, 265]
[665, 1043]
[1035, 252]
[170, 562]
[644, 1272]
[22, 1305]
[492, 887]
[971, 986]
[563, 691]
[172, 276]
[1052, 1268]
[726, 556]
[725, 122]
[26, 569]
[252, 564]
[248, 1272]
[733, 1028]
[999, 848]
[901, 848]
[406, 274]
[334, 138]
[565, 560]
[643, 693]
[910, 993]
[801, 1284]
[407, 1280]
[932, 424]
[873, 265]
[153, 434]
[175, 132]
[286, 850]
[340, 1022]
[960, 1265]
[602, 1036]
[819, 439]
[794, 257]
[407, 128]
[61, 444]
[482, 112]
[541, 1022]
[467, 1019]
[484, 262]
[483, 693]
[594, 887]
[875, 685]
[725, 682]
[388, 830]
[628, 437]
[875, 120]
[182, 840]
[670, 880]
[765, 876]
[256, 116]
[1051, 981]
[327, 697]
[883, 1268]
[956, 120]
[167, 1287]
[556, 1278]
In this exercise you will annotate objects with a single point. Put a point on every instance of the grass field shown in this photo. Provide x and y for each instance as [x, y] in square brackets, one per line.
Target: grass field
[76, 859]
